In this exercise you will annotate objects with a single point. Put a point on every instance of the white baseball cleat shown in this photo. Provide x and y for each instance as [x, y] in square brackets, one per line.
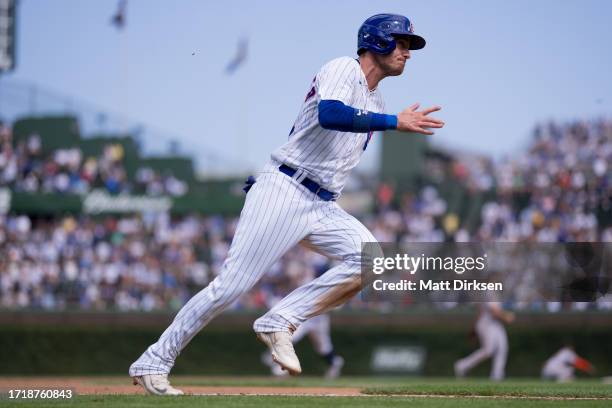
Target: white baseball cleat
[335, 368]
[281, 347]
[157, 384]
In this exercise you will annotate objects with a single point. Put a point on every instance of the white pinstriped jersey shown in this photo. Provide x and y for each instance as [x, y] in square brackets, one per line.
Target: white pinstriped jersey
[327, 156]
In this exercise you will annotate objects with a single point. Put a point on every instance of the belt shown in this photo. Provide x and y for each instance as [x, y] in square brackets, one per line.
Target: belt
[311, 185]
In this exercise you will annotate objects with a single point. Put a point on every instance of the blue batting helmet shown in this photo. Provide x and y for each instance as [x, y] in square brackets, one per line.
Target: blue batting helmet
[377, 33]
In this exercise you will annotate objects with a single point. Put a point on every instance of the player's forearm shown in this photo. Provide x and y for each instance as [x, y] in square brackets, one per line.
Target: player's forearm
[335, 115]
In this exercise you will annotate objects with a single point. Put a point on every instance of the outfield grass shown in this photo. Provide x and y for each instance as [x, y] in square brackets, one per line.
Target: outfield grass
[378, 384]
[533, 388]
[265, 381]
[382, 392]
[420, 386]
[136, 401]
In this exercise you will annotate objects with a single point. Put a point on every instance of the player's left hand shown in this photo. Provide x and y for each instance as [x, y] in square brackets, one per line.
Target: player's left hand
[412, 120]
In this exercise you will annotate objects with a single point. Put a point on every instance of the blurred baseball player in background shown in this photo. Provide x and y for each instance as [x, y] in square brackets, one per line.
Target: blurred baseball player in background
[293, 199]
[561, 365]
[292, 274]
[493, 341]
[318, 330]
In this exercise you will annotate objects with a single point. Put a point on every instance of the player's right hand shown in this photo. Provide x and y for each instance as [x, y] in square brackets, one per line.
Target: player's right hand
[412, 120]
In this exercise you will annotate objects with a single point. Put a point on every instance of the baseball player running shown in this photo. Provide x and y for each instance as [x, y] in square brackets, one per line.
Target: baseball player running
[493, 341]
[293, 199]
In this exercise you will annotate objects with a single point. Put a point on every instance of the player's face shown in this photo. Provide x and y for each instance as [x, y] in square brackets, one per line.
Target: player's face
[393, 64]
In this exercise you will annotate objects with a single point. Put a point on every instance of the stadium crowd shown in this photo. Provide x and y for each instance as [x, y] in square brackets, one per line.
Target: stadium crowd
[567, 172]
[154, 261]
[567, 179]
[25, 168]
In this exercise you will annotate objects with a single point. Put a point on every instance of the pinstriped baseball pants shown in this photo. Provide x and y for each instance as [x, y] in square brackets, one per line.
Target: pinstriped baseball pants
[277, 214]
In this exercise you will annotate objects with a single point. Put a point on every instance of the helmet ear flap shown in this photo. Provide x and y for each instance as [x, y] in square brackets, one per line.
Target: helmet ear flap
[376, 40]
[383, 44]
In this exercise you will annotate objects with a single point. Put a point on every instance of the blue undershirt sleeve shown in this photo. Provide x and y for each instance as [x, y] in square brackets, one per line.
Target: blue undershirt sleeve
[335, 115]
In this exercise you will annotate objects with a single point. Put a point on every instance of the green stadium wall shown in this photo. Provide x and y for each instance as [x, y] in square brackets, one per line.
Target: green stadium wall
[56, 132]
[219, 201]
[109, 343]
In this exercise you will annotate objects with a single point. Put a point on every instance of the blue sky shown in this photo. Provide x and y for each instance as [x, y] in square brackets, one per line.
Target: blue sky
[496, 67]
